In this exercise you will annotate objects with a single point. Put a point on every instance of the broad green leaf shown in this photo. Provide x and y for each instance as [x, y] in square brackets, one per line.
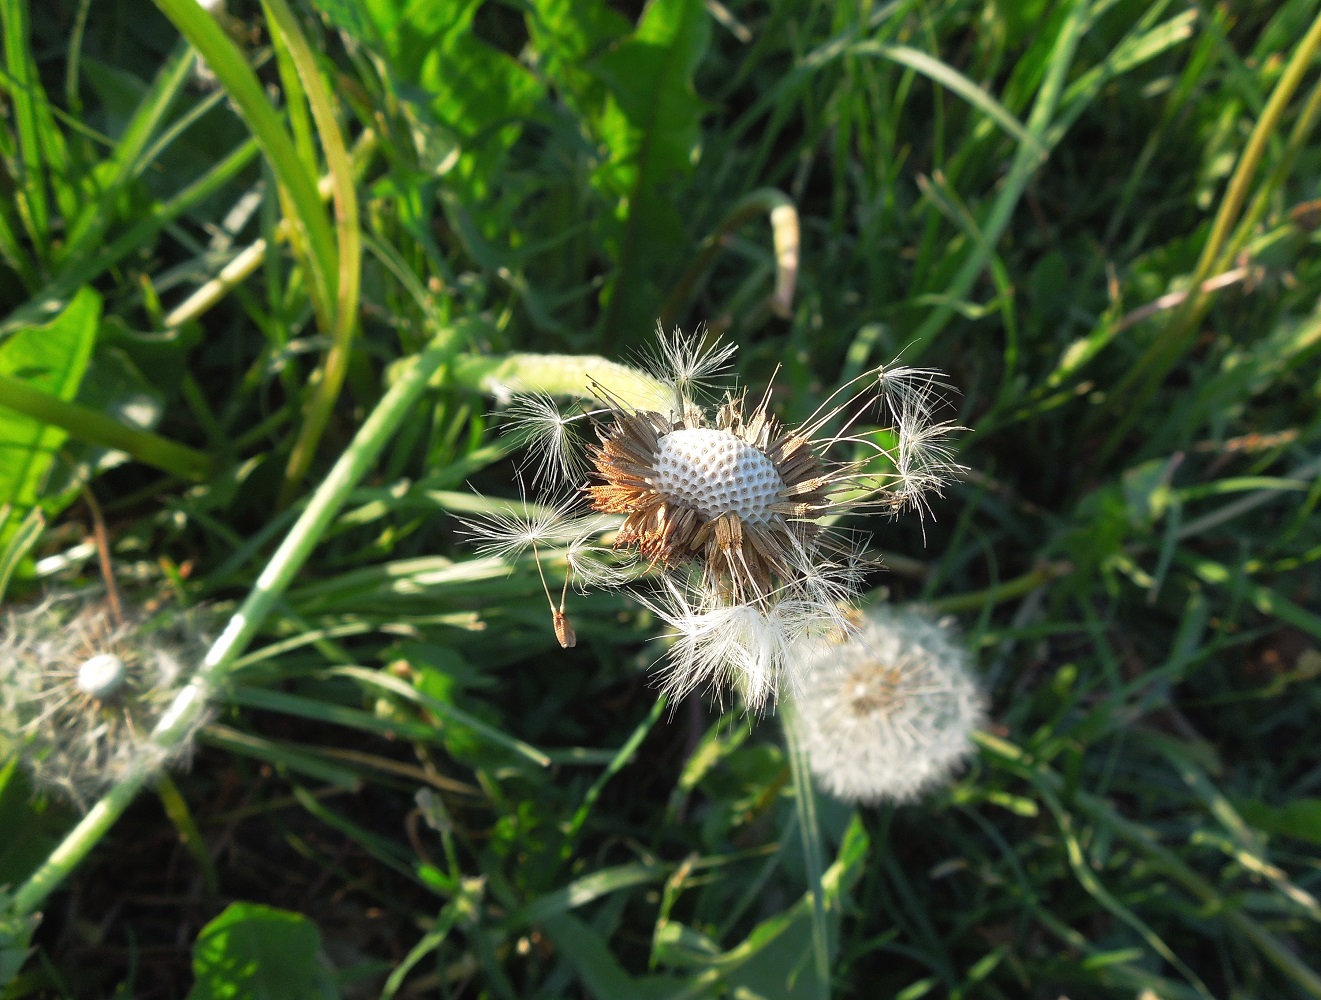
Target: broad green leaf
[253, 952]
[50, 358]
[651, 127]
[569, 33]
[477, 96]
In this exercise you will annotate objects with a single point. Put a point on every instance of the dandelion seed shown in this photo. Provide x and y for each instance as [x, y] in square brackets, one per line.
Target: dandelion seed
[83, 692]
[536, 424]
[507, 534]
[888, 714]
[688, 364]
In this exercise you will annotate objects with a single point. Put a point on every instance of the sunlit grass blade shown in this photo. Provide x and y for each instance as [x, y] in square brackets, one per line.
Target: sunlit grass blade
[94, 427]
[238, 79]
[344, 317]
[25, 94]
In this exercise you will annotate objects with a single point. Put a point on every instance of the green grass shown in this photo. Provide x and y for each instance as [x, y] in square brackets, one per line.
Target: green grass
[1098, 218]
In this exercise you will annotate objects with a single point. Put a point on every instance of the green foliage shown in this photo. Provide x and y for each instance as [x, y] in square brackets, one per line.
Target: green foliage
[1099, 219]
[52, 360]
[253, 952]
[649, 123]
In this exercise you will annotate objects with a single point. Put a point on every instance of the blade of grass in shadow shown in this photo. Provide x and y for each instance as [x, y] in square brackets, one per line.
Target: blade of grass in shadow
[53, 297]
[1025, 164]
[388, 682]
[243, 87]
[189, 707]
[281, 755]
[125, 161]
[616, 764]
[328, 381]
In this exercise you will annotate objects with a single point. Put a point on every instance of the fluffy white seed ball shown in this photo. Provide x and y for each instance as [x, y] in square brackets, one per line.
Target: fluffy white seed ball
[889, 714]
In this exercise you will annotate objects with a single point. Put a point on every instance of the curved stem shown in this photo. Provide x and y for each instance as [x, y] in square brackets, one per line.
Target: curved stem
[784, 236]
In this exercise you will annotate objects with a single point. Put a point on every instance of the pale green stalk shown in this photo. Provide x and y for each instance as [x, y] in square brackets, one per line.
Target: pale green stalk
[189, 706]
[813, 858]
[563, 375]
[94, 427]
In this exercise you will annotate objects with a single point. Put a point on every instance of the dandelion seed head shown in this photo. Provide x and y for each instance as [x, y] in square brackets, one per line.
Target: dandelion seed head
[84, 690]
[889, 714]
[730, 510]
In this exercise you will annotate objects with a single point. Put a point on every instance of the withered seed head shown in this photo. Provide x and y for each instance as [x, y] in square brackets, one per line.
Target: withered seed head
[730, 497]
[729, 508]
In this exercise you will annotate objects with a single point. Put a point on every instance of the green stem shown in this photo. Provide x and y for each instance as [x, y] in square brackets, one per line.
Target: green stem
[1006, 591]
[805, 802]
[96, 428]
[189, 707]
